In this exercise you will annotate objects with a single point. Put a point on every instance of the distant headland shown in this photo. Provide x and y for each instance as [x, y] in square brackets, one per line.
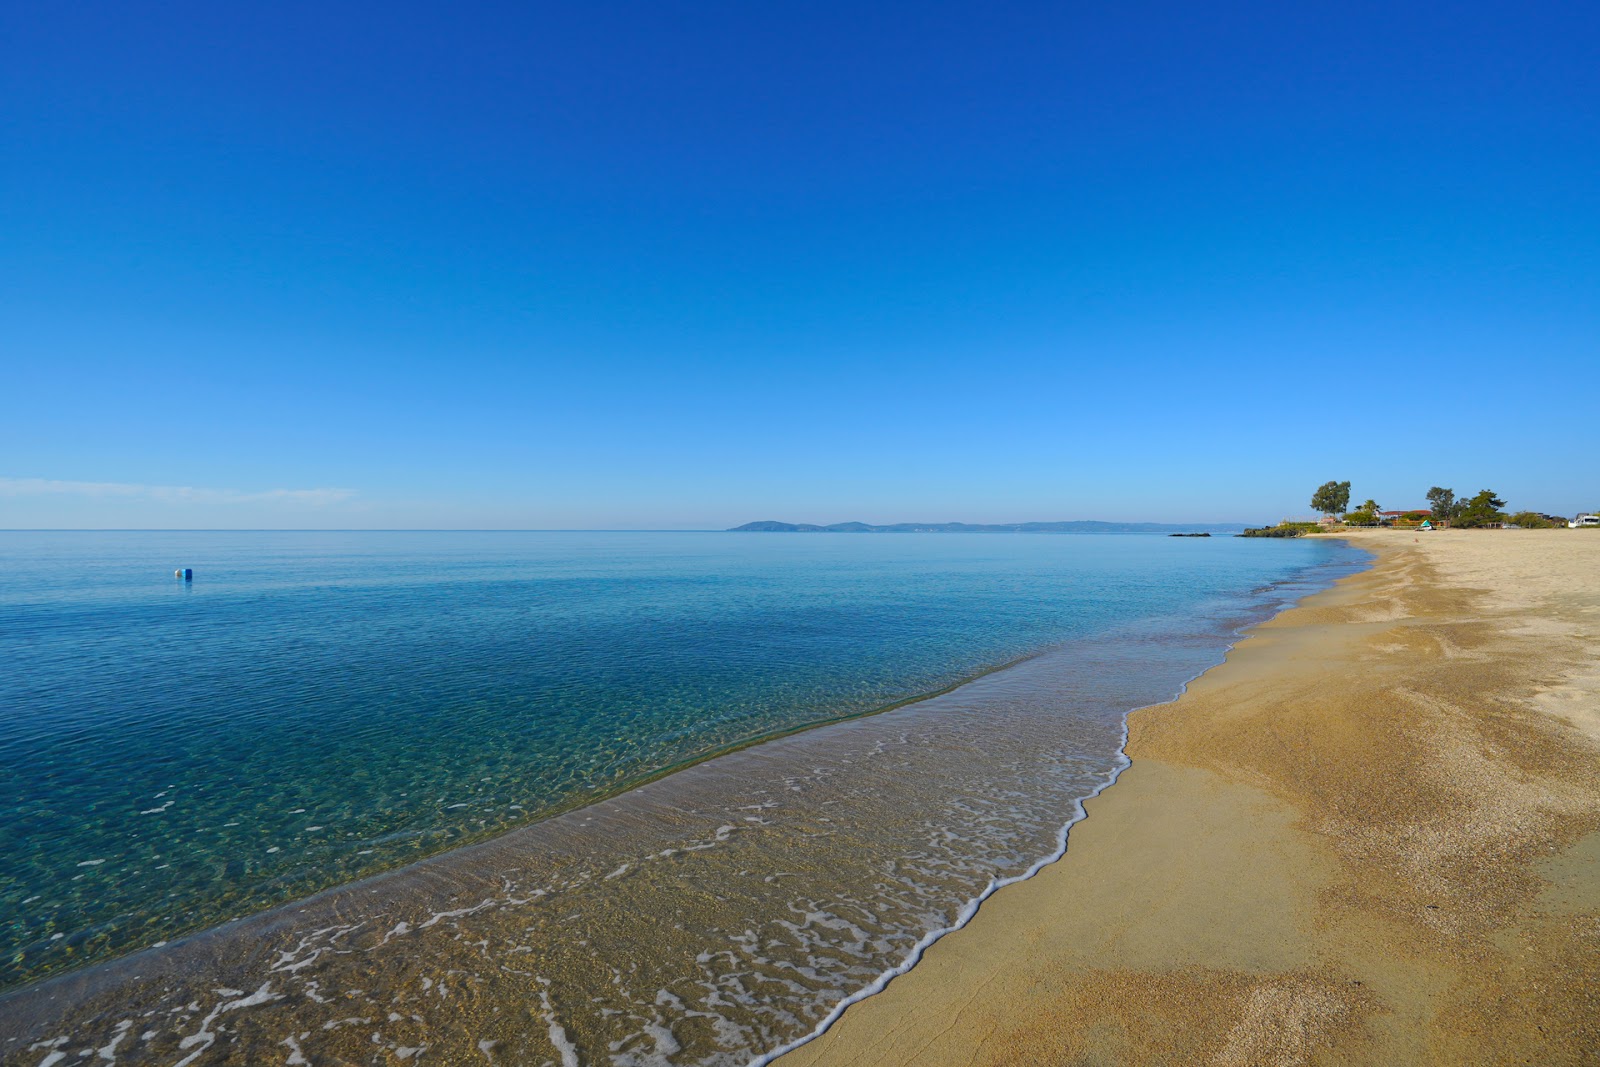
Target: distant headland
[1078, 526]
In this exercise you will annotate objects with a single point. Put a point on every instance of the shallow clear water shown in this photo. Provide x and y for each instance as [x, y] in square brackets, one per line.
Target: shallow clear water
[320, 706]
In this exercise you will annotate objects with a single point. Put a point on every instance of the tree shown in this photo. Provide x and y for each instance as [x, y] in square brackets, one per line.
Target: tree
[1531, 520]
[1443, 502]
[1331, 498]
[1370, 505]
[1480, 510]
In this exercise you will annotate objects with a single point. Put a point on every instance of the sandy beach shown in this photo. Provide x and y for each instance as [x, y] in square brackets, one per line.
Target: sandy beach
[1372, 836]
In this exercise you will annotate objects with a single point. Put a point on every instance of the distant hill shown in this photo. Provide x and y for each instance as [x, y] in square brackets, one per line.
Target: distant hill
[1079, 526]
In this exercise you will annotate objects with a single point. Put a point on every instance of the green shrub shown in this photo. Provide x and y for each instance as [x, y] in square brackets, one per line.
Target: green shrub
[1531, 520]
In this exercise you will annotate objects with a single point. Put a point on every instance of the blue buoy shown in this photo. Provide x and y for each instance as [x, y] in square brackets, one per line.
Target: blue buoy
[186, 573]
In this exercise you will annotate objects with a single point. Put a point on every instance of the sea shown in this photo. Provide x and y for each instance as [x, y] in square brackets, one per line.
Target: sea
[628, 798]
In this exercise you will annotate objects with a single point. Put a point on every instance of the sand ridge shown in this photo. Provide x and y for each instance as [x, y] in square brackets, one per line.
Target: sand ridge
[1370, 837]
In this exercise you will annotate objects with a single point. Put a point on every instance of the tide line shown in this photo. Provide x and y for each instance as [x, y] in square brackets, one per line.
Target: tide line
[970, 909]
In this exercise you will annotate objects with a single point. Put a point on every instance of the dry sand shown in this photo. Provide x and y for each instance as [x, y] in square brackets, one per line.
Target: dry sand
[1372, 836]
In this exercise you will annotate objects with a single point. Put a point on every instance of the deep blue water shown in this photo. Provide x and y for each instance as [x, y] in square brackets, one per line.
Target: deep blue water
[315, 707]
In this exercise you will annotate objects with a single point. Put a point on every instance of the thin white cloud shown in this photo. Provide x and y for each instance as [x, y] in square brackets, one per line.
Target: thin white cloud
[172, 494]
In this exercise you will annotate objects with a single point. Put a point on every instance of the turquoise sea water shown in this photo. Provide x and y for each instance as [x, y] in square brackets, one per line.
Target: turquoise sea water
[317, 707]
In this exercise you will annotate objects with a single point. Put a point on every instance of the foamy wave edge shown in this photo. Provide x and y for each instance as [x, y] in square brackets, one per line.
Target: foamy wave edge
[970, 909]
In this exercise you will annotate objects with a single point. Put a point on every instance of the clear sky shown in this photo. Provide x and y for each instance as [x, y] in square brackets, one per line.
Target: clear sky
[686, 265]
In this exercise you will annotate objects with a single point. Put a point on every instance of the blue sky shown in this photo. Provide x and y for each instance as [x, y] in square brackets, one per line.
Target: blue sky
[662, 265]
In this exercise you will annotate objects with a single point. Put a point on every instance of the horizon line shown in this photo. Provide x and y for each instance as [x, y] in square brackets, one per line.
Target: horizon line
[537, 529]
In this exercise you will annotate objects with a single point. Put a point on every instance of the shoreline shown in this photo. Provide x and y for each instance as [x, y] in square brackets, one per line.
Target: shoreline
[436, 899]
[578, 805]
[467, 846]
[1252, 892]
[970, 910]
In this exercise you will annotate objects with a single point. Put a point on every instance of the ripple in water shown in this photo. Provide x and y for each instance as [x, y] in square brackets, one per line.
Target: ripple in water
[712, 917]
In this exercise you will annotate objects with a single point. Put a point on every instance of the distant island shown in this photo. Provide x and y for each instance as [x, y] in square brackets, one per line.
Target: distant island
[1079, 526]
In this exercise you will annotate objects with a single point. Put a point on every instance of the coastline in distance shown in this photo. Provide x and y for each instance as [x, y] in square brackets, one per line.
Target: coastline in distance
[1076, 526]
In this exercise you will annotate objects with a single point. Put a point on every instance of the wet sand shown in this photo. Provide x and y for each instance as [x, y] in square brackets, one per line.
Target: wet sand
[1371, 837]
